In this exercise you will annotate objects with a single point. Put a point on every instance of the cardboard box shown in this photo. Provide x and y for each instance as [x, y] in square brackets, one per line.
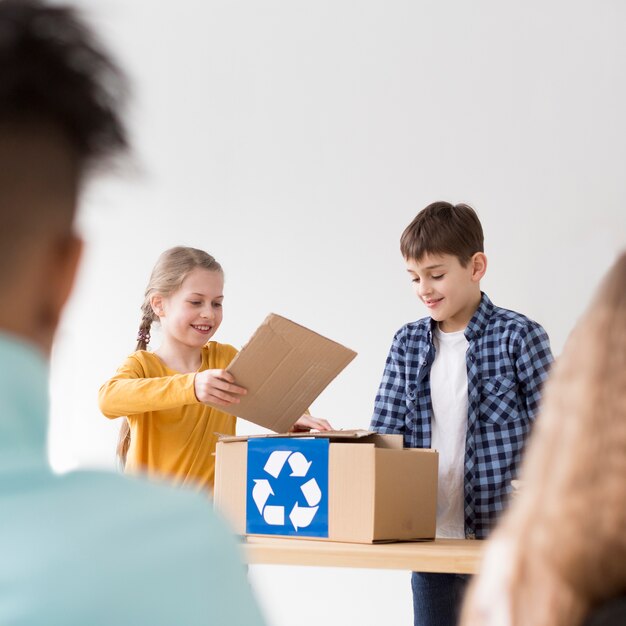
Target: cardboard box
[284, 367]
[352, 486]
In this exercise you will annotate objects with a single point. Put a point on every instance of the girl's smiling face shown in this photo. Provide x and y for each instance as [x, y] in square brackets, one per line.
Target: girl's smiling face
[193, 313]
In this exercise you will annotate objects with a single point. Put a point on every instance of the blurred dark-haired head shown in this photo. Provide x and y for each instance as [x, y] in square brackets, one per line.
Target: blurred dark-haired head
[53, 71]
[60, 100]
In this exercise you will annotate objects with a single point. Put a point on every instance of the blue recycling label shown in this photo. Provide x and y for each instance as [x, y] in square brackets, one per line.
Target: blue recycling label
[287, 487]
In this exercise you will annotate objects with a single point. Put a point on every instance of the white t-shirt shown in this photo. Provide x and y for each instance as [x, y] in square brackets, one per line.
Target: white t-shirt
[448, 390]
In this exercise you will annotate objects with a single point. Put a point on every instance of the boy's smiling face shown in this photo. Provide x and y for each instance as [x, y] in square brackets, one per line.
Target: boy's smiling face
[450, 292]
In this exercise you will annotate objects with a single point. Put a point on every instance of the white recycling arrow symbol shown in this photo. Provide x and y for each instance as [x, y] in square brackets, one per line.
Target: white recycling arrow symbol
[274, 515]
[312, 492]
[299, 464]
[302, 516]
[275, 462]
[261, 491]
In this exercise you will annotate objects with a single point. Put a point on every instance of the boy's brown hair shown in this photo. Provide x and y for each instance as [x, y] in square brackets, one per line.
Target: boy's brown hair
[443, 228]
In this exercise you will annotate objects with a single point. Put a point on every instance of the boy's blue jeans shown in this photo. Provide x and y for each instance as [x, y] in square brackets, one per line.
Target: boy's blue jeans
[437, 598]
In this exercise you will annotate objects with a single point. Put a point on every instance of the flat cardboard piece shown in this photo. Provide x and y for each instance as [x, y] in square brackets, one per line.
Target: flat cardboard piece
[324, 434]
[284, 367]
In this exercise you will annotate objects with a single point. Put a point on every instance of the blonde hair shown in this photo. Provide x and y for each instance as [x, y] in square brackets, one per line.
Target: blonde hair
[168, 274]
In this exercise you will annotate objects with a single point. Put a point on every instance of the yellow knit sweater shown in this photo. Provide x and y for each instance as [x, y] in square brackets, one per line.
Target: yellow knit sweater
[173, 435]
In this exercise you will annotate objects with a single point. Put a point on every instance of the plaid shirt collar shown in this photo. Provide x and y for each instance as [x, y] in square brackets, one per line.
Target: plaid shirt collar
[476, 325]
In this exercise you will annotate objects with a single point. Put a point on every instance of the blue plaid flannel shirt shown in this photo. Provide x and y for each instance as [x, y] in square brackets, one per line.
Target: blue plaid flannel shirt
[507, 362]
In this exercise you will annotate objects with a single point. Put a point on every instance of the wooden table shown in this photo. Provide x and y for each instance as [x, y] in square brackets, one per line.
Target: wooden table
[458, 556]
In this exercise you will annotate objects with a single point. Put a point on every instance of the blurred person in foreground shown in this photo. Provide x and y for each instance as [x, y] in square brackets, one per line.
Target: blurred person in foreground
[559, 556]
[87, 547]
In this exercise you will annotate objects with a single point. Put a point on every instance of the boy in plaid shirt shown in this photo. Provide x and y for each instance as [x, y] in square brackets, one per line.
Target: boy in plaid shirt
[465, 381]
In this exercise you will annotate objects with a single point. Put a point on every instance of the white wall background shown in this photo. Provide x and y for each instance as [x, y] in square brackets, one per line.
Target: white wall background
[295, 140]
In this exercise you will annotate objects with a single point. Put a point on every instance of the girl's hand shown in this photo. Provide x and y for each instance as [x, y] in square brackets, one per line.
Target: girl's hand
[217, 387]
[308, 422]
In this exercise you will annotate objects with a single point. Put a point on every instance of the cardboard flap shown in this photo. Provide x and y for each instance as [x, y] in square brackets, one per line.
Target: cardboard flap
[284, 367]
[333, 435]
[392, 442]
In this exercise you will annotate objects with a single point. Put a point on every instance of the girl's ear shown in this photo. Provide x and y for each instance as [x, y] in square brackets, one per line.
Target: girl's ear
[479, 266]
[156, 302]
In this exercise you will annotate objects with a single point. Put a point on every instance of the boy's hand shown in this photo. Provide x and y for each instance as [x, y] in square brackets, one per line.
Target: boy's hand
[308, 422]
[217, 387]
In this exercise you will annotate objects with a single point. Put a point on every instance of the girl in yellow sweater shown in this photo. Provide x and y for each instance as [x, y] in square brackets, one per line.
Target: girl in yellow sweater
[167, 430]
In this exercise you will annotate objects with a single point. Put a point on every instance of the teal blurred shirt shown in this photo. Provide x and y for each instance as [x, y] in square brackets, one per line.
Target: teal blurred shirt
[94, 548]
